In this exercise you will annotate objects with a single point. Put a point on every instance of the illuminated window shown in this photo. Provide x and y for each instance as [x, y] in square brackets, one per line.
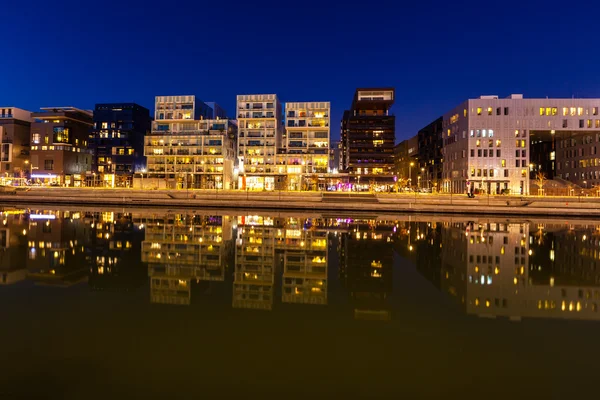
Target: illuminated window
[479, 110]
[579, 110]
[478, 143]
[542, 111]
[105, 125]
[573, 110]
[498, 143]
[377, 143]
[489, 110]
[36, 138]
[504, 163]
[565, 111]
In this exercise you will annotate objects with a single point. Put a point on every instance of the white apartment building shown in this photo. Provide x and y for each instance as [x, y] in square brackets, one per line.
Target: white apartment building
[307, 143]
[487, 140]
[183, 152]
[260, 130]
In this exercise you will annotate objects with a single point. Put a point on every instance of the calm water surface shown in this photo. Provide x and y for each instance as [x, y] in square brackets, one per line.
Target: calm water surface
[126, 303]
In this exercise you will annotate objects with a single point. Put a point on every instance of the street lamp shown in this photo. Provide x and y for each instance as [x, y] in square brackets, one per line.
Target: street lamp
[420, 177]
[410, 173]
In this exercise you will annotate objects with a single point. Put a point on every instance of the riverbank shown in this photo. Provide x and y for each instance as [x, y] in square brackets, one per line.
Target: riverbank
[313, 201]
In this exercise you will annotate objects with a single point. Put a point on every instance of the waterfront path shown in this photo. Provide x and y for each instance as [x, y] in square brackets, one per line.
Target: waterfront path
[338, 201]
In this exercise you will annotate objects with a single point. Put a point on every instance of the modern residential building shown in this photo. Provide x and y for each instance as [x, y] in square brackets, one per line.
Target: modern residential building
[117, 142]
[260, 125]
[218, 112]
[487, 142]
[430, 161]
[369, 132]
[183, 152]
[335, 153]
[406, 157]
[59, 140]
[15, 132]
[307, 144]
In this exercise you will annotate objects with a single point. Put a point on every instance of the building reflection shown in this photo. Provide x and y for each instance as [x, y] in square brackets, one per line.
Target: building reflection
[366, 260]
[57, 241]
[182, 249]
[517, 269]
[113, 254]
[13, 246]
[302, 245]
[254, 277]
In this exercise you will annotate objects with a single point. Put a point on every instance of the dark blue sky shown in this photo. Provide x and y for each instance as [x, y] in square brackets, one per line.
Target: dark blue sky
[436, 54]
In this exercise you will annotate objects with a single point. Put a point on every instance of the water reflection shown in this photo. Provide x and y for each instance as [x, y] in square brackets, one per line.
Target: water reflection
[489, 267]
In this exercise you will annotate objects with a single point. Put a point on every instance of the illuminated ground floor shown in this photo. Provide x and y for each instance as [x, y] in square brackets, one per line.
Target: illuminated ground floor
[487, 186]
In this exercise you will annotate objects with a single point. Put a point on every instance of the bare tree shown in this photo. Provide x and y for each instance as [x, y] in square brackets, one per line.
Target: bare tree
[541, 180]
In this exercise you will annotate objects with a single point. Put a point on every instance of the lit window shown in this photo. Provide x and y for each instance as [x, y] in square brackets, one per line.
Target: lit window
[489, 110]
[579, 110]
[498, 143]
[565, 111]
[504, 163]
[105, 125]
[479, 109]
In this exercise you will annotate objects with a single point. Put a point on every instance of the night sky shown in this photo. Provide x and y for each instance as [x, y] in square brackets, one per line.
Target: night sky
[436, 54]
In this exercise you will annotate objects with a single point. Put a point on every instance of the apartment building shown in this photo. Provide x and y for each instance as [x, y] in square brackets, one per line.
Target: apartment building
[487, 142]
[430, 161]
[117, 141]
[260, 125]
[186, 152]
[307, 144]
[59, 146]
[15, 131]
[369, 136]
[406, 160]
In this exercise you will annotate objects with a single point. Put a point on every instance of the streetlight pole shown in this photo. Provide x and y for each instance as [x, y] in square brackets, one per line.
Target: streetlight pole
[410, 174]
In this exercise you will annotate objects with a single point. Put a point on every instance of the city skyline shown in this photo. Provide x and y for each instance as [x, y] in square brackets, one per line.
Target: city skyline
[432, 70]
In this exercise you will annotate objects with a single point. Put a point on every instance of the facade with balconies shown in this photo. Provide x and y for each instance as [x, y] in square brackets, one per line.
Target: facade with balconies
[188, 153]
[307, 143]
[260, 135]
[15, 128]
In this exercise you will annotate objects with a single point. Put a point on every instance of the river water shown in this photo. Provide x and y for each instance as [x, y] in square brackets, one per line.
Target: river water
[156, 303]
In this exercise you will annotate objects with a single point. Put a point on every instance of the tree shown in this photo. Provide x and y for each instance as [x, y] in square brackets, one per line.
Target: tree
[541, 179]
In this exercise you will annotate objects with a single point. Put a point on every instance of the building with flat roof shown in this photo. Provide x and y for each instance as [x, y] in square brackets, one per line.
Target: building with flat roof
[307, 144]
[218, 112]
[117, 141]
[59, 146]
[487, 142]
[15, 131]
[260, 126]
[183, 152]
[369, 133]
